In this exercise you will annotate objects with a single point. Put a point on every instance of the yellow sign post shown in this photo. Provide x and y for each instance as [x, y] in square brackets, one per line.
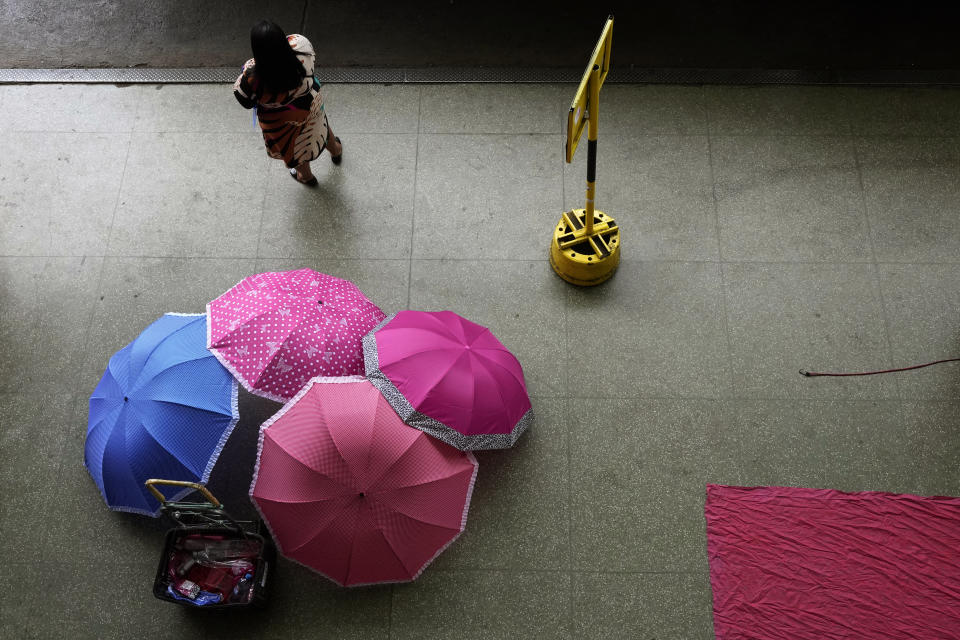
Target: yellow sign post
[586, 242]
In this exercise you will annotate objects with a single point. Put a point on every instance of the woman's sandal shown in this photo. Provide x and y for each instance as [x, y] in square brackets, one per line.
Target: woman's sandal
[336, 159]
[312, 182]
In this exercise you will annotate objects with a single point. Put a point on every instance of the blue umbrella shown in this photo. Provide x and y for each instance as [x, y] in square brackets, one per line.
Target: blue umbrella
[164, 408]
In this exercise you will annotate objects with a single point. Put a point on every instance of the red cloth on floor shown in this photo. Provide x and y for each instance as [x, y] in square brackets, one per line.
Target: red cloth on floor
[820, 564]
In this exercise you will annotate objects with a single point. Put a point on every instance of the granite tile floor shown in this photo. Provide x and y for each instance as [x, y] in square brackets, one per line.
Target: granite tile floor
[765, 230]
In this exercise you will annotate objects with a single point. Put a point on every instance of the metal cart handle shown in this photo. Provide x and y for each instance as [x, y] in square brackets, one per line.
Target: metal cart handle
[180, 483]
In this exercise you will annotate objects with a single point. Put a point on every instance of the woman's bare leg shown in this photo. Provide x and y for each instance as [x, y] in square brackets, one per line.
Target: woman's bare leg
[333, 146]
[304, 174]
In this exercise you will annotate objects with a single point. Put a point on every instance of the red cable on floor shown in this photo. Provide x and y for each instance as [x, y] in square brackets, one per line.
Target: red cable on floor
[811, 374]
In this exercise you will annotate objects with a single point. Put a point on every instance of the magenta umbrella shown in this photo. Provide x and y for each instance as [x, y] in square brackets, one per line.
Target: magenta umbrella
[449, 377]
[274, 331]
[350, 491]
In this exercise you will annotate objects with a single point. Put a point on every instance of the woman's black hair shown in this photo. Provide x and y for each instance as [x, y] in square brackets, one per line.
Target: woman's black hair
[278, 67]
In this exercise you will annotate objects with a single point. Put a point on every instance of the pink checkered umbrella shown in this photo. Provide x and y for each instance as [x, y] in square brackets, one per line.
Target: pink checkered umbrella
[275, 331]
[449, 377]
[350, 491]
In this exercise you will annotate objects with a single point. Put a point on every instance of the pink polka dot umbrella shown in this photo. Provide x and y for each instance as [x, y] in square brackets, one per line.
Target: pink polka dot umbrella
[275, 331]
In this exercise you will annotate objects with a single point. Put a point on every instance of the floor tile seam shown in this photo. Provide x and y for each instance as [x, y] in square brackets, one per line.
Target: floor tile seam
[634, 572]
[413, 213]
[263, 214]
[728, 261]
[340, 131]
[243, 132]
[713, 189]
[231, 132]
[565, 380]
[498, 570]
[393, 594]
[63, 255]
[149, 257]
[478, 259]
[322, 258]
[724, 305]
[523, 260]
[547, 396]
[115, 256]
[637, 261]
[902, 136]
[97, 290]
[918, 263]
[63, 461]
[478, 134]
[567, 291]
[741, 398]
[887, 334]
[783, 134]
[116, 204]
[624, 134]
[705, 572]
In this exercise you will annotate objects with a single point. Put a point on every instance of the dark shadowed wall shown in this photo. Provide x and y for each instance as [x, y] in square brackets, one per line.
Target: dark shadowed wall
[495, 33]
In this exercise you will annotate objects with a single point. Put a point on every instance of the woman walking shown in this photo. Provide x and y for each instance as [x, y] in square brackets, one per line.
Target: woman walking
[279, 82]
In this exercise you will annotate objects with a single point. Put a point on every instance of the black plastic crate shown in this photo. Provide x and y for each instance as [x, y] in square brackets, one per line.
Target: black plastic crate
[207, 527]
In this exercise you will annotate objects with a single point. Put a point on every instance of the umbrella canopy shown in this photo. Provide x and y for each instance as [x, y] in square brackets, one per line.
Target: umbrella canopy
[449, 377]
[350, 491]
[275, 331]
[163, 409]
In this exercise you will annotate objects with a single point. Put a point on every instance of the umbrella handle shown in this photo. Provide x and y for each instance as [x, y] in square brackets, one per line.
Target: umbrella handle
[180, 483]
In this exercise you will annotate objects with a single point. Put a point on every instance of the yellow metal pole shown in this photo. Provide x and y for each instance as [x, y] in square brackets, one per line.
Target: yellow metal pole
[592, 126]
[585, 250]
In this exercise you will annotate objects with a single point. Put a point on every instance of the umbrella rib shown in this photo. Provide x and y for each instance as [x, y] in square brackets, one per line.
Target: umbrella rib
[373, 484]
[440, 377]
[372, 415]
[393, 550]
[246, 322]
[230, 332]
[420, 352]
[299, 279]
[459, 335]
[301, 463]
[102, 420]
[286, 502]
[322, 411]
[190, 406]
[497, 388]
[173, 367]
[112, 373]
[473, 388]
[422, 484]
[475, 376]
[273, 357]
[426, 482]
[316, 534]
[153, 350]
[142, 493]
[494, 361]
[142, 423]
[433, 318]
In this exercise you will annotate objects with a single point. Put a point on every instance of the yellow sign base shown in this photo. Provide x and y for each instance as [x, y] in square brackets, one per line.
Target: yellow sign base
[581, 259]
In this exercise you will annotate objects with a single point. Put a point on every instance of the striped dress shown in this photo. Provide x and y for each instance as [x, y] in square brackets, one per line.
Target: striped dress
[293, 122]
